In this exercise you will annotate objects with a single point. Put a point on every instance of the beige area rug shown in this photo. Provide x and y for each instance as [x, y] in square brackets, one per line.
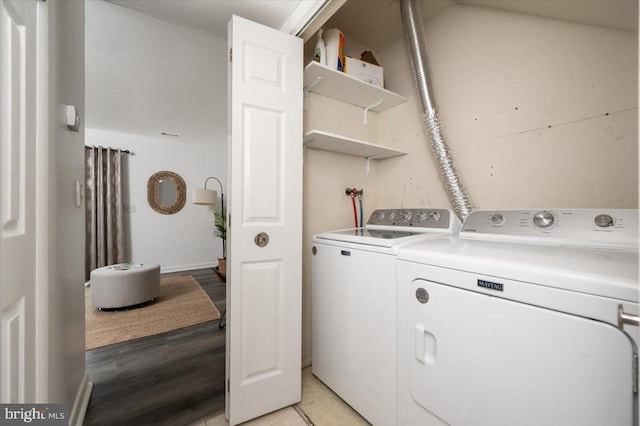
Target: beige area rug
[181, 303]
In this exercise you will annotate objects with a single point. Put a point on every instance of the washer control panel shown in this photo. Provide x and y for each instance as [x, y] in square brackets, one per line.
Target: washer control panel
[589, 227]
[419, 218]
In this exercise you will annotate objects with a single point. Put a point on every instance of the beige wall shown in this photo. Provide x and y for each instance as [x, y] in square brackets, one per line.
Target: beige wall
[326, 176]
[537, 113]
[501, 79]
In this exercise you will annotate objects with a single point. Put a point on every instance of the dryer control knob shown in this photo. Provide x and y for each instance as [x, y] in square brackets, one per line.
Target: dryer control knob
[422, 216]
[434, 216]
[544, 219]
[604, 220]
[497, 219]
[405, 216]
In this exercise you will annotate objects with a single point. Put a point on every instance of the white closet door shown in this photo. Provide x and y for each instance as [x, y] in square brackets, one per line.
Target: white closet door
[18, 119]
[264, 281]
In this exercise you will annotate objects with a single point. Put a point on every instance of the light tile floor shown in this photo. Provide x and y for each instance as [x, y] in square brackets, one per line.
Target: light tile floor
[285, 417]
[319, 407]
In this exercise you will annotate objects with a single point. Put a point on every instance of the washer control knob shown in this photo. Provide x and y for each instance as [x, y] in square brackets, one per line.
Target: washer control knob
[391, 216]
[422, 216]
[497, 219]
[604, 220]
[379, 215]
[544, 219]
[434, 216]
[405, 216]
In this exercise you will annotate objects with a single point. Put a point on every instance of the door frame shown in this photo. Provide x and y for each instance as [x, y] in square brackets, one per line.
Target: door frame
[309, 16]
[42, 206]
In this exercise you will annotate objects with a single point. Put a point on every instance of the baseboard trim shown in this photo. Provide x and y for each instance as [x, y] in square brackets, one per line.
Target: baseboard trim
[82, 402]
[178, 268]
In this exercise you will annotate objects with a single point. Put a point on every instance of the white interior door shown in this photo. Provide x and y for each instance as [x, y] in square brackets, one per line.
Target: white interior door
[265, 221]
[18, 90]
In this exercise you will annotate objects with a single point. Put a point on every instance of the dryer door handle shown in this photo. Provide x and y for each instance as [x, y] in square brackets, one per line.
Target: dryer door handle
[425, 345]
[624, 318]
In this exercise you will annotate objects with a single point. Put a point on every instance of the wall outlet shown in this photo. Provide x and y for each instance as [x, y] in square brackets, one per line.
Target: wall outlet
[131, 208]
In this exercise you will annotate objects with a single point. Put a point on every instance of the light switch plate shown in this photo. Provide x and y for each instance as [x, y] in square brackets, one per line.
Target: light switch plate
[79, 193]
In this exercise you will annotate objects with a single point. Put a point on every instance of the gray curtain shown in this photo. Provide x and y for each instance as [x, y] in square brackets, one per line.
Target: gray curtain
[104, 244]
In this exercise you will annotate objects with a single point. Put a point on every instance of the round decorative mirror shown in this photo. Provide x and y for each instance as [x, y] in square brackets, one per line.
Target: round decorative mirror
[166, 192]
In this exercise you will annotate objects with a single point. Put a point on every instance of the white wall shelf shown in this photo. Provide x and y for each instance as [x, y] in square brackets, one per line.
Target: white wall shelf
[345, 88]
[325, 141]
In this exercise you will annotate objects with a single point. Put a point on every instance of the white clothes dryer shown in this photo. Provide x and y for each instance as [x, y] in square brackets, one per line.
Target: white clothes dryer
[353, 280]
[526, 318]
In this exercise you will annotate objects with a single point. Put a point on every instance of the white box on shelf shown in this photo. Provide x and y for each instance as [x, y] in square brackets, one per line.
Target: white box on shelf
[369, 73]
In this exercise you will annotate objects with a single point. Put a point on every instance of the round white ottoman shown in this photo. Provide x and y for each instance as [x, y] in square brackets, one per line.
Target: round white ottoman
[123, 285]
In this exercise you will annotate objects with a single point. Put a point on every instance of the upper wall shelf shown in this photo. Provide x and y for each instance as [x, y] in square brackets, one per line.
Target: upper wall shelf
[345, 88]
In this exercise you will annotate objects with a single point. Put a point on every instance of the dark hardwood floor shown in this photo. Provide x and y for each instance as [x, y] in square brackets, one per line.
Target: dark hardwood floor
[175, 378]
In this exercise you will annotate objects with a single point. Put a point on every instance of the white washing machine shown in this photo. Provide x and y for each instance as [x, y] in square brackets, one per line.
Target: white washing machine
[528, 318]
[353, 282]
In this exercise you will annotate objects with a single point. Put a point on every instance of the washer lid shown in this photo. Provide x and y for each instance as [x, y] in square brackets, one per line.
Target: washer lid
[386, 237]
[392, 227]
[603, 272]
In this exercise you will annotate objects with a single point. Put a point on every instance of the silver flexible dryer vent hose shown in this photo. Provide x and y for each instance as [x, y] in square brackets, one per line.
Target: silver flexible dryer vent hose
[414, 36]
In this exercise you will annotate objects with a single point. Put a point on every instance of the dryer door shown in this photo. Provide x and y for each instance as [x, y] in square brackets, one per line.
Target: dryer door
[482, 360]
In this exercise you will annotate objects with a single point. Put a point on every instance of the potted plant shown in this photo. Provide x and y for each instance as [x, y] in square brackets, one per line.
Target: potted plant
[220, 223]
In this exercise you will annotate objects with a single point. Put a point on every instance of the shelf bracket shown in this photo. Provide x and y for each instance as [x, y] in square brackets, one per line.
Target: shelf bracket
[309, 87]
[367, 162]
[365, 111]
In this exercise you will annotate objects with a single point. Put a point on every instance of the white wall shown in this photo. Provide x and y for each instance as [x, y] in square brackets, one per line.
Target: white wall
[183, 240]
[65, 365]
[580, 80]
[145, 76]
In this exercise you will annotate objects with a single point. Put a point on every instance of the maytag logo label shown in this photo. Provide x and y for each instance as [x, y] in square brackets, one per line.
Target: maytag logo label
[490, 285]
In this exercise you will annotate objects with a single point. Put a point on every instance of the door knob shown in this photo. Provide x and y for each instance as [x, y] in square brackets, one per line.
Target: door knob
[261, 239]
